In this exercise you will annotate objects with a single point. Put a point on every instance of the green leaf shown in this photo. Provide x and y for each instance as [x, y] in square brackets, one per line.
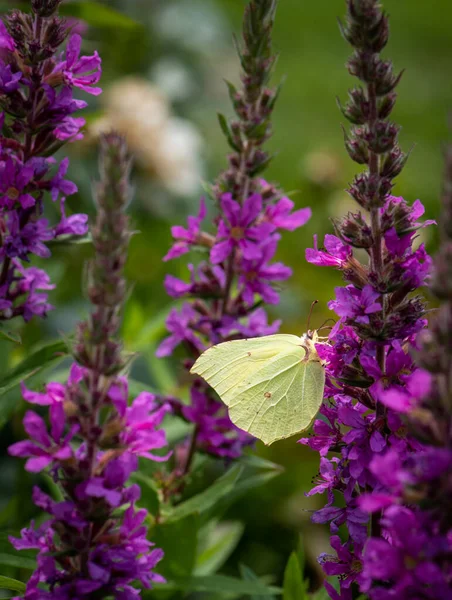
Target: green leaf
[46, 356]
[257, 471]
[9, 335]
[220, 543]
[6, 583]
[294, 586]
[19, 562]
[219, 583]
[321, 594]
[98, 15]
[70, 240]
[179, 540]
[202, 503]
[149, 492]
[249, 575]
[227, 132]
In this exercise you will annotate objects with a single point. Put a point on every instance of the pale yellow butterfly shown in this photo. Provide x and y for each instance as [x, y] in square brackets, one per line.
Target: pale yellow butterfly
[272, 385]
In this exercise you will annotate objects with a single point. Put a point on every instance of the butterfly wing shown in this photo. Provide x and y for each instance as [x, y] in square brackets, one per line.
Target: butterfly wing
[281, 399]
[270, 391]
[227, 366]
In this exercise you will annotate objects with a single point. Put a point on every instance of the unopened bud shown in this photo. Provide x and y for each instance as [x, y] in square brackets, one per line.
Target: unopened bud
[45, 8]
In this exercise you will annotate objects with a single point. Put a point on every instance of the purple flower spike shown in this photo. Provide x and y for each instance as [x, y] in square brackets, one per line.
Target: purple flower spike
[95, 438]
[373, 386]
[226, 292]
[39, 116]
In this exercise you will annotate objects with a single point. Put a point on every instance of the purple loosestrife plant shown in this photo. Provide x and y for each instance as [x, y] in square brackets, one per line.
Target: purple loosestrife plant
[413, 559]
[94, 545]
[37, 84]
[379, 312]
[226, 293]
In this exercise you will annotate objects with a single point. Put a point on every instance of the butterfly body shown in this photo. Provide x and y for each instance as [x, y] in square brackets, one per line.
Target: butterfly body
[273, 386]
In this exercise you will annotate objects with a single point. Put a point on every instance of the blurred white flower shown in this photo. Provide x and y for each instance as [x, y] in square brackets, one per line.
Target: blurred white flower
[167, 147]
[322, 167]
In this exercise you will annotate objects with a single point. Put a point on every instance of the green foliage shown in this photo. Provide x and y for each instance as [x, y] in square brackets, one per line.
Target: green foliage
[44, 357]
[217, 543]
[295, 588]
[6, 583]
[221, 584]
[98, 15]
[206, 503]
[249, 575]
[9, 335]
[180, 540]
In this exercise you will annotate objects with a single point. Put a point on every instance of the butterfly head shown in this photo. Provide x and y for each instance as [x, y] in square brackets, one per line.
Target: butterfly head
[309, 341]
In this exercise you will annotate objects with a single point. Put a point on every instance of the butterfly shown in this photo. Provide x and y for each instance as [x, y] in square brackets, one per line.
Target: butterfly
[273, 385]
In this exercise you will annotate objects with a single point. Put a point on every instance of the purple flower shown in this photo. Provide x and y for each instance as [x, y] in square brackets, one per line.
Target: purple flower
[187, 237]
[352, 303]
[82, 72]
[337, 253]
[6, 41]
[74, 225]
[69, 129]
[217, 435]
[281, 217]
[45, 447]
[180, 324]
[404, 399]
[14, 179]
[30, 281]
[347, 564]
[140, 433]
[54, 393]
[326, 433]
[9, 81]
[257, 275]
[405, 562]
[355, 518]
[328, 478]
[257, 325]
[239, 229]
[176, 288]
[59, 185]
[22, 241]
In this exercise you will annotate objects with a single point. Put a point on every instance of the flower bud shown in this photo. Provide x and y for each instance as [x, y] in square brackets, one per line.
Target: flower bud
[45, 8]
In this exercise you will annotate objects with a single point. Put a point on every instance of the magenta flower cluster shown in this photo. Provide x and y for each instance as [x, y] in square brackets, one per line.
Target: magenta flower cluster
[369, 454]
[98, 518]
[95, 542]
[364, 440]
[227, 291]
[247, 235]
[37, 117]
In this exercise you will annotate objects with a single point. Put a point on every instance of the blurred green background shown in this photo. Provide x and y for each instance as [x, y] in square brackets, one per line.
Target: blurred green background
[164, 64]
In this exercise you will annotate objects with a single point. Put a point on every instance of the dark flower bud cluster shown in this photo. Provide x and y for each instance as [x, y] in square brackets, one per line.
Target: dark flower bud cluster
[95, 543]
[373, 140]
[36, 119]
[417, 537]
[368, 363]
[105, 286]
[227, 291]
[45, 8]
[253, 104]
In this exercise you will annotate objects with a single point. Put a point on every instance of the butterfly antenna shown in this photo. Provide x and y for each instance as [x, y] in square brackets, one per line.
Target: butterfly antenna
[324, 325]
[310, 313]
